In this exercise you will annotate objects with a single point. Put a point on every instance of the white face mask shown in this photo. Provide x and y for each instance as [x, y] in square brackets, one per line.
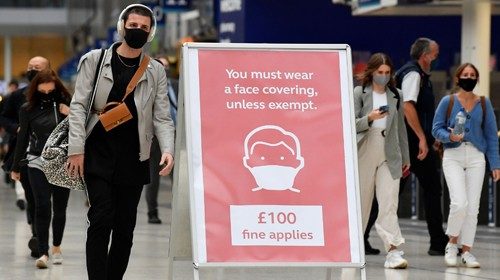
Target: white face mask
[275, 177]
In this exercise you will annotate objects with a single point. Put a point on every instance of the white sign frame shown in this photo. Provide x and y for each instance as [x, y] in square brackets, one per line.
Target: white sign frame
[190, 84]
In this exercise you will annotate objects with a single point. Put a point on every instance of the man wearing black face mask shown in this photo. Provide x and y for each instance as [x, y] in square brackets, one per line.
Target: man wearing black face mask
[115, 163]
[414, 81]
[9, 119]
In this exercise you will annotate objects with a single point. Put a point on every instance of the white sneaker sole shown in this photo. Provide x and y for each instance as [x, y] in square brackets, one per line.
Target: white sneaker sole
[402, 265]
[450, 263]
[472, 265]
[41, 264]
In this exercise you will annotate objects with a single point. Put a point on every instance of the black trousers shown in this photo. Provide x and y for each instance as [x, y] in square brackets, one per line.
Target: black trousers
[427, 172]
[112, 213]
[151, 189]
[43, 192]
[30, 199]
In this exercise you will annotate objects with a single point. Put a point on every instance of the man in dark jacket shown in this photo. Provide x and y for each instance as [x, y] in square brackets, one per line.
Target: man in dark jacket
[414, 81]
[9, 119]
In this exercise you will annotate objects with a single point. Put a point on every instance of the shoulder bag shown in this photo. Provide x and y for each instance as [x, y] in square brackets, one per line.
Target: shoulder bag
[55, 151]
[119, 112]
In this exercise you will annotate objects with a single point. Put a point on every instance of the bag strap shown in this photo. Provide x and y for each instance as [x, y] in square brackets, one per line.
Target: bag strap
[96, 78]
[138, 74]
[450, 106]
[483, 106]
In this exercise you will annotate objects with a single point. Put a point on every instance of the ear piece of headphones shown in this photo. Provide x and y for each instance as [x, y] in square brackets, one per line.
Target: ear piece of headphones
[120, 25]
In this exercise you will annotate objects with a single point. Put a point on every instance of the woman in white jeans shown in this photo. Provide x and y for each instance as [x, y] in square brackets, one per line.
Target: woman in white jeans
[382, 151]
[464, 162]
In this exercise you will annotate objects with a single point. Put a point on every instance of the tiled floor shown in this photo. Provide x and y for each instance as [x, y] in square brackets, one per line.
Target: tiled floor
[149, 254]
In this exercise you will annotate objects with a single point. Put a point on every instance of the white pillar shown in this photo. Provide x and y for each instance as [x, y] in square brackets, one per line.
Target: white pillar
[476, 40]
[7, 54]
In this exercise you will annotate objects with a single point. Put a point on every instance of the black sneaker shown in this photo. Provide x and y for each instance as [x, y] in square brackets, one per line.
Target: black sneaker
[153, 218]
[33, 245]
[369, 250]
[435, 252]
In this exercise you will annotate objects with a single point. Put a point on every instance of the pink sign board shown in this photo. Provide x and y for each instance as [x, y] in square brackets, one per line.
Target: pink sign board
[273, 162]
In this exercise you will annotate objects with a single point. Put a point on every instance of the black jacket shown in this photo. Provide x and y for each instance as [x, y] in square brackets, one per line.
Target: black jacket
[35, 127]
[9, 117]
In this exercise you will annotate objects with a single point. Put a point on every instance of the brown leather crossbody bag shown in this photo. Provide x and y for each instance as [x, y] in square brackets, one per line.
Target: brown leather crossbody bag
[116, 113]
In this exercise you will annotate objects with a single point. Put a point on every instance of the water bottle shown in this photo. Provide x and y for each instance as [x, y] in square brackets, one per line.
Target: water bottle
[459, 123]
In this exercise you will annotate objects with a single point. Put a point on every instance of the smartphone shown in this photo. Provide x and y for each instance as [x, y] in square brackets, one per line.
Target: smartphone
[163, 165]
[383, 108]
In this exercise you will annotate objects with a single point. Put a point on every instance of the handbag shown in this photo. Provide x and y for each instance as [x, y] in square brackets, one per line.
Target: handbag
[55, 152]
[54, 157]
[119, 114]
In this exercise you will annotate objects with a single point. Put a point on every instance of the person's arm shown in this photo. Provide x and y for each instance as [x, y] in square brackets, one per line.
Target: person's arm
[410, 88]
[491, 136]
[362, 122]
[403, 139]
[22, 139]
[440, 129]
[163, 125]
[78, 114]
[9, 114]
[414, 123]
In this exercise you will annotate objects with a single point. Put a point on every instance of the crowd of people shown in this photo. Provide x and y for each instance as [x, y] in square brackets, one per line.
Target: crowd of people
[114, 180]
[398, 131]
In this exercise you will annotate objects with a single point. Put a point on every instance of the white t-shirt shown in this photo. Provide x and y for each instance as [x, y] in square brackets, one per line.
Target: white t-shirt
[411, 86]
[379, 99]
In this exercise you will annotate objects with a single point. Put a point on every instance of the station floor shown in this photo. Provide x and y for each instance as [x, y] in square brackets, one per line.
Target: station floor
[151, 242]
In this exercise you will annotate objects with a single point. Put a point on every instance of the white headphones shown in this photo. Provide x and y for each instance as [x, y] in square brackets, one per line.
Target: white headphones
[120, 25]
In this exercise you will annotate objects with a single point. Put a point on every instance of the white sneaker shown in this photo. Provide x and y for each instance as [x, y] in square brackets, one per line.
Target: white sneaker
[450, 255]
[57, 258]
[470, 261]
[394, 259]
[42, 262]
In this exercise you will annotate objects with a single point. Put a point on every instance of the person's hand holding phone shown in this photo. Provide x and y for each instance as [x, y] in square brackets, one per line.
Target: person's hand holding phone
[383, 109]
[379, 113]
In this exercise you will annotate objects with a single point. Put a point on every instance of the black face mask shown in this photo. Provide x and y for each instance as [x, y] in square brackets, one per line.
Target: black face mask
[47, 97]
[30, 74]
[467, 84]
[136, 38]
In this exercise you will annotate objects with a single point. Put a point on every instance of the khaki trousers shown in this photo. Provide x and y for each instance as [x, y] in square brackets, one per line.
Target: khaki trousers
[375, 177]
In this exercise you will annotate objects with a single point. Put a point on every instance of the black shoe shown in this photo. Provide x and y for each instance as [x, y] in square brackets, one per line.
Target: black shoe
[434, 252]
[369, 250]
[153, 218]
[33, 245]
[21, 204]
[35, 255]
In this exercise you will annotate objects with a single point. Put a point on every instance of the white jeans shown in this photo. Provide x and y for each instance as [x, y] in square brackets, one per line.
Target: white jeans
[463, 169]
[374, 176]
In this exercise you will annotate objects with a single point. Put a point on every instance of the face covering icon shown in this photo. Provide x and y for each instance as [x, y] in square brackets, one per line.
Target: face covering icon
[272, 155]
